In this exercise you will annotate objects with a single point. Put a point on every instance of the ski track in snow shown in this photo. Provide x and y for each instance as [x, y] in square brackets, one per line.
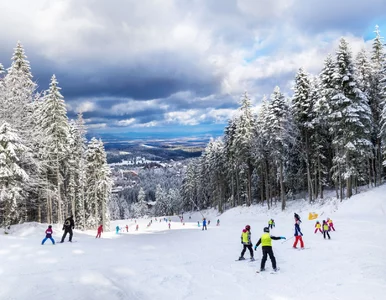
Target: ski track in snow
[187, 263]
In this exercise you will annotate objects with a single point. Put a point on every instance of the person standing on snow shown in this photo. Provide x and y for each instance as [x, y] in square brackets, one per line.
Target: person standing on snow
[68, 226]
[266, 247]
[298, 235]
[318, 227]
[271, 223]
[49, 233]
[326, 229]
[100, 230]
[246, 242]
[127, 228]
[204, 224]
[117, 229]
[330, 224]
[218, 222]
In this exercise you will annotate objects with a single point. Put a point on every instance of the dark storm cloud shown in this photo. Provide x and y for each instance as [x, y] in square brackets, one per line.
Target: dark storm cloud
[138, 62]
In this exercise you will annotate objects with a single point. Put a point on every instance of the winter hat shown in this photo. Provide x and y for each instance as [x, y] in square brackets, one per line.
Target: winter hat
[266, 229]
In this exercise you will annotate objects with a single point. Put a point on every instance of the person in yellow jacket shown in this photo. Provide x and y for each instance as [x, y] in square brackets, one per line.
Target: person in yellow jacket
[266, 246]
[318, 226]
[246, 242]
[326, 229]
[271, 223]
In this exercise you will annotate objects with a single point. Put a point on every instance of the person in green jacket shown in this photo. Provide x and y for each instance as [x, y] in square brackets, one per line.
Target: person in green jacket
[266, 245]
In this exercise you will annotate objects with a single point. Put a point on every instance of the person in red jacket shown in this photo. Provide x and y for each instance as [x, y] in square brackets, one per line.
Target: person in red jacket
[100, 230]
[127, 228]
[49, 233]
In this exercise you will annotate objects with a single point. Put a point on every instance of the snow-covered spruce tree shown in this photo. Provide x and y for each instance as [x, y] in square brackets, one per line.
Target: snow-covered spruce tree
[302, 108]
[350, 123]
[242, 145]
[54, 124]
[12, 176]
[190, 186]
[377, 99]
[142, 204]
[98, 185]
[161, 208]
[281, 137]
[18, 91]
[231, 165]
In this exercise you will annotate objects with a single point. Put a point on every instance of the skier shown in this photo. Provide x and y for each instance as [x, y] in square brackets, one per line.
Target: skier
[208, 222]
[298, 235]
[326, 229]
[198, 223]
[297, 218]
[271, 223]
[117, 229]
[169, 225]
[318, 227]
[100, 230]
[127, 228]
[246, 242]
[204, 224]
[266, 247]
[136, 227]
[218, 222]
[330, 224]
[68, 226]
[49, 233]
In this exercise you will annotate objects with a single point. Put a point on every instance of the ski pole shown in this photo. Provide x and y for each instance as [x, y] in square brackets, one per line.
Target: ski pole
[287, 240]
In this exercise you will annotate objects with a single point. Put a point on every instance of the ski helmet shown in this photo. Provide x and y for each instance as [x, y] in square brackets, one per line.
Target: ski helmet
[247, 227]
[49, 226]
[266, 229]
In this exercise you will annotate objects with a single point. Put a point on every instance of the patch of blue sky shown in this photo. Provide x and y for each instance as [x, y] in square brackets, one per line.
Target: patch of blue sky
[369, 31]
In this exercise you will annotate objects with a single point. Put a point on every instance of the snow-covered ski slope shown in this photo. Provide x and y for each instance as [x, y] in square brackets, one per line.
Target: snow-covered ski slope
[187, 263]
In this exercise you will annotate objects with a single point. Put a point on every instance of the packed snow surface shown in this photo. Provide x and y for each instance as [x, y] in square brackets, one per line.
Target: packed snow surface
[185, 262]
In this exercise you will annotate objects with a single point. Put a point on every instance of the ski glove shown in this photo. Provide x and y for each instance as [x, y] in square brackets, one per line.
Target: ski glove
[283, 238]
[255, 248]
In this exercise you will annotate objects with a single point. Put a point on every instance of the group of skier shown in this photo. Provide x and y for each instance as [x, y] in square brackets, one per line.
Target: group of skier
[266, 240]
[68, 226]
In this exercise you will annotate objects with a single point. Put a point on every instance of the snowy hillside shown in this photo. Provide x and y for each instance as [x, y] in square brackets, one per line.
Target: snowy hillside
[187, 263]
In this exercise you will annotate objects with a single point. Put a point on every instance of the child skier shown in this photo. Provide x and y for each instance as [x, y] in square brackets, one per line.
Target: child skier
[330, 224]
[49, 233]
[318, 227]
[271, 223]
[266, 246]
[100, 230]
[169, 225]
[298, 235]
[218, 222]
[136, 227]
[326, 229]
[117, 229]
[204, 224]
[127, 228]
[246, 242]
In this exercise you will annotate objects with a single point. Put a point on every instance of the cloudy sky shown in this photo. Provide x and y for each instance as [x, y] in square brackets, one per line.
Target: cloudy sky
[177, 65]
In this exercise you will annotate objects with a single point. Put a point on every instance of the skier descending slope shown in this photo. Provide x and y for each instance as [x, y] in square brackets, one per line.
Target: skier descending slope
[266, 246]
[246, 242]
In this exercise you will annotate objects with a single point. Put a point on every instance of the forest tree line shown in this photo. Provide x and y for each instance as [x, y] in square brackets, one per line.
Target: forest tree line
[48, 170]
[329, 134]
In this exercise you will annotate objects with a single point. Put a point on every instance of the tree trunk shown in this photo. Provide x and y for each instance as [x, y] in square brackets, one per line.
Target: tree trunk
[283, 204]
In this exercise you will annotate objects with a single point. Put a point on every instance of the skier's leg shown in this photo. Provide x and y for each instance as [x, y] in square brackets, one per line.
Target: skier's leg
[272, 257]
[296, 241]
[264, 259]
[70, 238]
[250, 250]
[52, 240]
[316, 230]
[301, 242]
[44, 240]
[324, 234]
[244, 249]
[64, 235]
[328, 235]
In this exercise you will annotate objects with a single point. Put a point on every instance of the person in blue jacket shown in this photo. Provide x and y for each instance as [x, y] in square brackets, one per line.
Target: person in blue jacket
[298, 235]
[117, 229]
[204, 224]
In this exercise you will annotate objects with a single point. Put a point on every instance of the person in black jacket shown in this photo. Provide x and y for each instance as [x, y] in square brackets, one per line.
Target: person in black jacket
[68, 226]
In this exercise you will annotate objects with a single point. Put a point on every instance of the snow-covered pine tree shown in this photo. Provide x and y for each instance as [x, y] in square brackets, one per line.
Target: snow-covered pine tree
[350, 121]
[302, 109]
[54, 124]
[12, 176]
[377, 99]
[242, 144]
[281, 137]
[98, 185]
